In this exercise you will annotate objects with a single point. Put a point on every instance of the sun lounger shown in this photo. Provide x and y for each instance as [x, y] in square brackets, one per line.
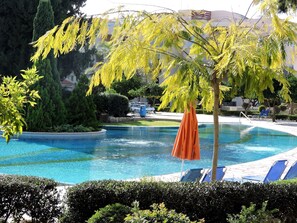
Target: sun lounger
[274, 173]
[292, 172]
[192, 175]
[219, 176]
[264, 113]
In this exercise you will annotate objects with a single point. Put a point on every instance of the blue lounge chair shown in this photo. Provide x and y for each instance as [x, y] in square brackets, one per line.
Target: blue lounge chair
[192, 175]
[264, 113]
[220, 174]
[292, 172]
[274, 173]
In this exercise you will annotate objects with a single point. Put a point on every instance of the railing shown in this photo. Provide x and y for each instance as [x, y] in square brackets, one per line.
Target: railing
[241, 113]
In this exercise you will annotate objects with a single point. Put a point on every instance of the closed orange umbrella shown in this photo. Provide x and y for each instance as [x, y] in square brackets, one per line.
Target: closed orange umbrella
[186, 145]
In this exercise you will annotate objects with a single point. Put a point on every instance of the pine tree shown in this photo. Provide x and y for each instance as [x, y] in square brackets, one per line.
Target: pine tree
[50, 110]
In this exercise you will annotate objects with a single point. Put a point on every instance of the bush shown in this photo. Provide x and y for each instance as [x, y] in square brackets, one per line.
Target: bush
[81, 109]
[114, 213]
[101, 102]
[159, 213]
[71, 128]
[251, 214]
[112, 103]
[118, 105]
[293, 117]
[36, 197]
[209, 201]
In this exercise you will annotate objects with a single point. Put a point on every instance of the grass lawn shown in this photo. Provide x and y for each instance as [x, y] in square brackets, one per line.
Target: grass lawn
[157, 123]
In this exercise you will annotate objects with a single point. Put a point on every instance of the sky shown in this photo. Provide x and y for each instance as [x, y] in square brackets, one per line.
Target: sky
[240, 6]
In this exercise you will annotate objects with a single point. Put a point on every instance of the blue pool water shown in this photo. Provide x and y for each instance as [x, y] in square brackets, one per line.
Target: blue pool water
[127, 153]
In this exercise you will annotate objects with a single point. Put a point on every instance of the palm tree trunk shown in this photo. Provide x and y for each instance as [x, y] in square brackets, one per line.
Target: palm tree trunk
[216, 89]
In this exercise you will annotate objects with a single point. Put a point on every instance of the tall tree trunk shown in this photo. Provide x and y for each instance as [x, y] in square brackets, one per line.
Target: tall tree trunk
[216, 89]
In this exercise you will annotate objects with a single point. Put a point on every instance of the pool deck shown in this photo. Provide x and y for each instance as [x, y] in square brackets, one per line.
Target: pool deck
[259, 167]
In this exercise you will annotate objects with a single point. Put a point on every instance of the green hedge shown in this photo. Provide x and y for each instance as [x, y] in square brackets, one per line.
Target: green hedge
[209, 201]
[114, 104]
[36, 197]
[118, 105]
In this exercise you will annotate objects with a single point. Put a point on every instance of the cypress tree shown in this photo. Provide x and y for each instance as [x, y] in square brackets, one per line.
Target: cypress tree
[81, 108]
[50, 110]
[16, 28]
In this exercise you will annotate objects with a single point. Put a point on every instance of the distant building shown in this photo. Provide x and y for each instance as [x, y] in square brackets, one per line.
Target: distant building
[69, 83]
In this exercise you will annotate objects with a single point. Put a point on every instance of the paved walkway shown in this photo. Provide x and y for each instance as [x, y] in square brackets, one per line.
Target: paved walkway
[259, 167]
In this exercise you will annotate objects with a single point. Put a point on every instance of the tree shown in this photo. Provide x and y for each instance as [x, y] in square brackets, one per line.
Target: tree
[124, 86]
[50, 110]
[81, 108]
[272, 98]
[292, 79]
[286, 5]
[197, 59]
[14, 96]
[16, 22]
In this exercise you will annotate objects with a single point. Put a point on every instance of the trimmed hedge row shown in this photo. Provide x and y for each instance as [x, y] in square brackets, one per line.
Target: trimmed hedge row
[209, 201]
[114, 104]
[38, 198]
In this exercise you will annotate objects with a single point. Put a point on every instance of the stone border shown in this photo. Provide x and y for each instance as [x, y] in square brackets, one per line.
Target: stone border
[61, 135]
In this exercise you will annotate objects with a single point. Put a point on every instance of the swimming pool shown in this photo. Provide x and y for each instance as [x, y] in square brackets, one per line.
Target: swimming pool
[134, 152]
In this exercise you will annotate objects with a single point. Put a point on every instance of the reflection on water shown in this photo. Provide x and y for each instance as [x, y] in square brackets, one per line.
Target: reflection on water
[126, 153]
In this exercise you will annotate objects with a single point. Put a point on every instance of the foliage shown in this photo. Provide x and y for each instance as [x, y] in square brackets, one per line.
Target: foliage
[273, 98]
[101, 103]
[50, 110]
[124, 86]
[81, 109]
[211, 201]
[71, 128]
[292, 79]
[14, 96]
[112, 104]
[289, 181]
[197, 59]
[151, 91]
[251, 214]
[16, 22]
[36, 197]
[118, 105]
[114, 213]
[287, 5]
[159, 213]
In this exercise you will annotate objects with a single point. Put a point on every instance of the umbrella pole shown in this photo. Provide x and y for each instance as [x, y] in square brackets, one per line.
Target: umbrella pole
[182, 168]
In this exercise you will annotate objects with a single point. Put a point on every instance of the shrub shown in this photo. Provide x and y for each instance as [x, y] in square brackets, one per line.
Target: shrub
[281, 117]
[209, 201]
[293, 117]
[251, 214]
[114, 213]
[118, 105]
[81, 109]
[101, 102]
[159, 213]
[36, 197]
[71, 128]
[112, 103]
